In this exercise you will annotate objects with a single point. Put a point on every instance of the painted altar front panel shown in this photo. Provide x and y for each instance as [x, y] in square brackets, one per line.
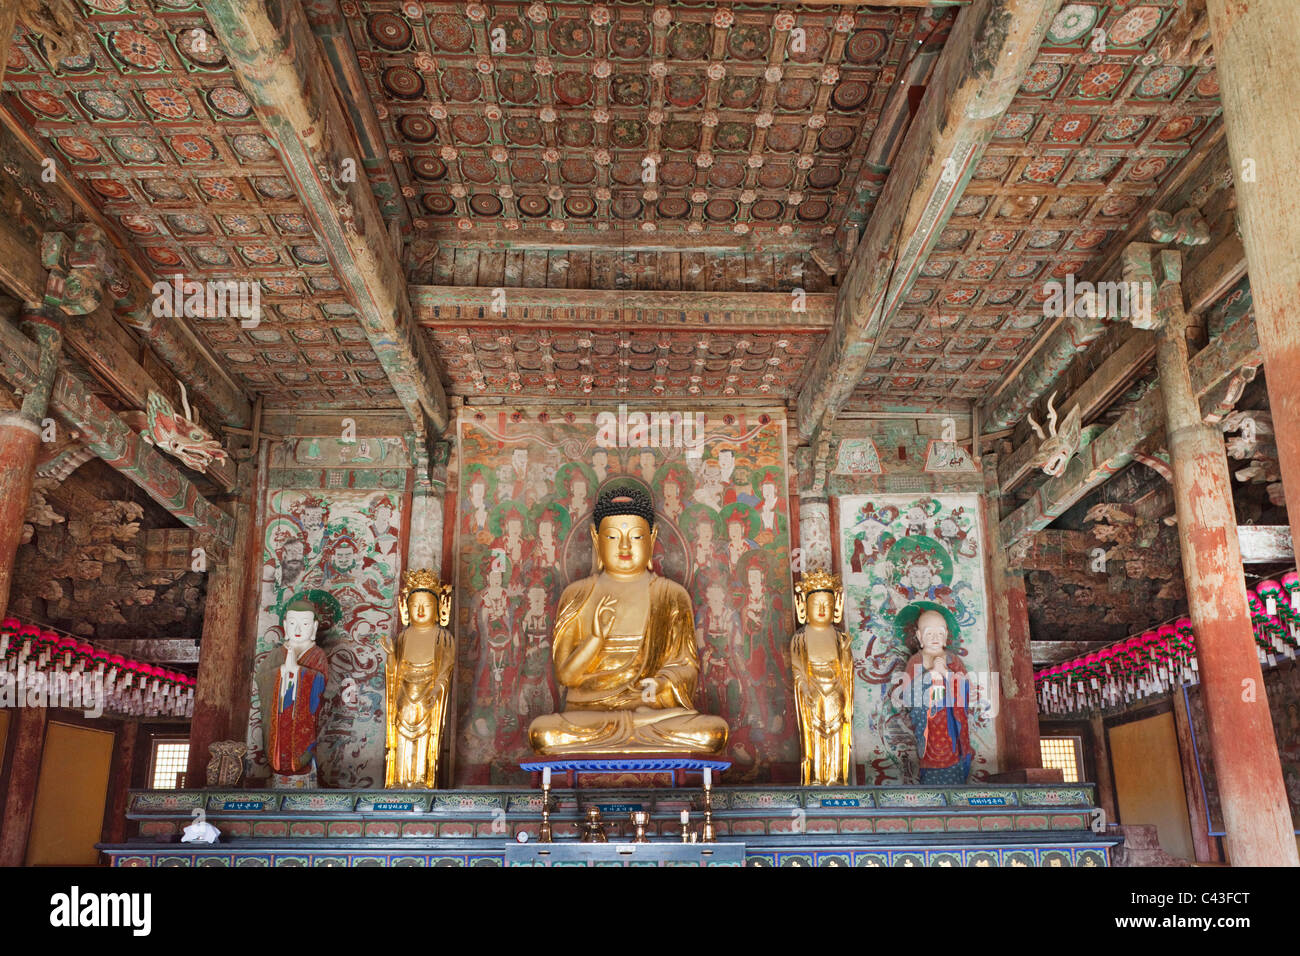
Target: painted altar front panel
[895, 549]
[527, 486]
[333, 532]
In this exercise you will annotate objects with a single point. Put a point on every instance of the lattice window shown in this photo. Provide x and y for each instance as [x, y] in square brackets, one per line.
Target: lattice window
[167, 767]
[1064, 754]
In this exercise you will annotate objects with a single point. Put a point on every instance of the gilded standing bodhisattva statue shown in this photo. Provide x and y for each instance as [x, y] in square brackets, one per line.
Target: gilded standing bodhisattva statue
[418, 685]
[821, 657]
[624, 646]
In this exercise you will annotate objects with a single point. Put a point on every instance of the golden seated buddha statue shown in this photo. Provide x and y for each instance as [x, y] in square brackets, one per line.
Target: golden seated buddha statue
[624, 646]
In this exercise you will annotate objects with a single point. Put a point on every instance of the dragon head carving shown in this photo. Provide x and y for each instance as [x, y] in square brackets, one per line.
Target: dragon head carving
[178, 435]
[1058, 444]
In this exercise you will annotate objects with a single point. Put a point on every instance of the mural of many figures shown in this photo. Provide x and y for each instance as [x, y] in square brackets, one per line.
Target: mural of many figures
[900, 554]
[527, 485]
[341, 550]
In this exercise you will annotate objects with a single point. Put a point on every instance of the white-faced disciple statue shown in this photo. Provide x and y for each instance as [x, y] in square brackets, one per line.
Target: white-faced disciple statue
[418, 681]
[624, 647]
[292, 694]
[821, 657]
[935, 692]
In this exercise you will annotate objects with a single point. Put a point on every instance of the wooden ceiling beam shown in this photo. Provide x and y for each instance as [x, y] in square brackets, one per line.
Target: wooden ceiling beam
[1215, 273]
[1114, 448]
[627, 240]
[992, 45]
[279, 63]
[642, 309]
[1056, 347]
[1092, 397]
[110, 438]
[174, 343]
[851, 4]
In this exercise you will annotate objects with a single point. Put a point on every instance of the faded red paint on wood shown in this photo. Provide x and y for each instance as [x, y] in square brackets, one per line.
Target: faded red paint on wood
[18, 443]
[27, 730]
[1256, 810]
[1019, 711]
[1255, 46]
[221, 693]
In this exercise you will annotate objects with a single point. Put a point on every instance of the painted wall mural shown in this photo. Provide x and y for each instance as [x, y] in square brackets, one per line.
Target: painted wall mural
[527, 485]
[894, 550]
[338, 542]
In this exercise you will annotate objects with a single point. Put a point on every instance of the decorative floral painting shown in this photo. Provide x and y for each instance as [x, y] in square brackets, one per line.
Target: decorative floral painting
[896, 550]
[528, 484]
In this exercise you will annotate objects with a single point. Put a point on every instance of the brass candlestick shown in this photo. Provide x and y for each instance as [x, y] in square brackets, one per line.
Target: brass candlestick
[707, 833]
[593, 830]
[639, 820]
[544, 834]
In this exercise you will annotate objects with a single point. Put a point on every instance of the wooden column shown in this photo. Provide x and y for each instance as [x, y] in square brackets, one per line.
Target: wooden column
[815, 543]
[27, 729]
[1256, 47]
[1106, 796]
[1205, 846]
[20, 435]
[119, 781]
[1256, 810]
[1017, 720]
[221, 695]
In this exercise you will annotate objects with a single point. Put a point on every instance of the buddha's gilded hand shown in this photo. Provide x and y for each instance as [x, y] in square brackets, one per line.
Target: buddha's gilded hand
[603, 619]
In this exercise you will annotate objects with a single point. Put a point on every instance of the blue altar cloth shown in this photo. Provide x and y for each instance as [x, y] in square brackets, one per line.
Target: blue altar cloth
[628, 764]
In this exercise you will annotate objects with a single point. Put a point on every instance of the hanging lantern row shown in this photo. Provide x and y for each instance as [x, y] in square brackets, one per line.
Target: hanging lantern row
[1155, 661]
[1145, 665]
[1275, 616]
[65, 672]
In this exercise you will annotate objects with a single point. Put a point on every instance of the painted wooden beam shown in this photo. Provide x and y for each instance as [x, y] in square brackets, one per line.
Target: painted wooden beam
[441, 306]
[499, 239]
[992, 45]
[849, 4]
[1053, 652]
[1054, 351]
[175, 345]
[279, 62]
[1097, 391]
[1204, 284]
[330, 25]
[1114, 448]
[110, 438]
[1265, 543]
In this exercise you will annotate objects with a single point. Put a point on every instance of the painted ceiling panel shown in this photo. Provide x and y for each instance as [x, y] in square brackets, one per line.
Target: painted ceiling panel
[157, 133]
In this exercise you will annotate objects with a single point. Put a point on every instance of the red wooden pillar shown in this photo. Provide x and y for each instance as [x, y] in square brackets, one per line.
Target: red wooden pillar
[1256, 810]
[27, 729]
[1256, 45]
[20, 436]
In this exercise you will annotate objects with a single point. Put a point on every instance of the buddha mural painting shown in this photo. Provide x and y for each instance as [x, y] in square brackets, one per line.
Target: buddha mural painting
[624, 647]
[418, 681]
[821, 657]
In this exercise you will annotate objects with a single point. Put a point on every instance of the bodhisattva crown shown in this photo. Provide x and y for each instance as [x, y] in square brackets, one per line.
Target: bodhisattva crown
[419, 579]
[819, 580]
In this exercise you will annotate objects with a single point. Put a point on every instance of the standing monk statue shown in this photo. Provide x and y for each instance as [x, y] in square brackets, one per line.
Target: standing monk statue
[292, 694]
[624, 647]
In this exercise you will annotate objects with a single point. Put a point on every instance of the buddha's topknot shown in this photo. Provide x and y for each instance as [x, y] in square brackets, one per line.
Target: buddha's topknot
[624, 500]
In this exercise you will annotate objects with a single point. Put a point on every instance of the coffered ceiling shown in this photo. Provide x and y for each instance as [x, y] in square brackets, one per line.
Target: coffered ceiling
[688, 147]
